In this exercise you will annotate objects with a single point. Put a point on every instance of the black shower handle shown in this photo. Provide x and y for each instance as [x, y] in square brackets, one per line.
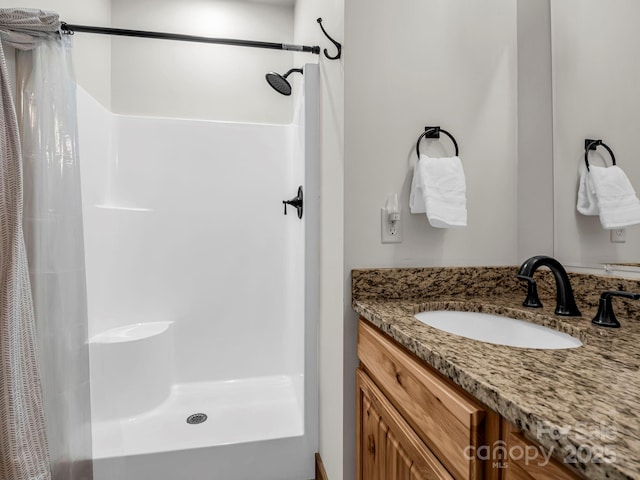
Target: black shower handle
[296, 202]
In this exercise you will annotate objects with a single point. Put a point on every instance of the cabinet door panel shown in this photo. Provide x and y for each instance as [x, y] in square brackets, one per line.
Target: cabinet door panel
[398, 463]
[370, 439]
[387, 448]
[445, 419]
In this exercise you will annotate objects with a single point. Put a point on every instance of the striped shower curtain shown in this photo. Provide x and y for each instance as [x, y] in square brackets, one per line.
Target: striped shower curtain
[27, 301]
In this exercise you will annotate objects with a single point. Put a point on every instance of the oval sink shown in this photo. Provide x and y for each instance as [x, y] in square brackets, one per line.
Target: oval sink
[499, 330]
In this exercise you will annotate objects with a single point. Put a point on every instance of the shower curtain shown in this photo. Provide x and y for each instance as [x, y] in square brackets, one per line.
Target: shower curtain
[45, 411]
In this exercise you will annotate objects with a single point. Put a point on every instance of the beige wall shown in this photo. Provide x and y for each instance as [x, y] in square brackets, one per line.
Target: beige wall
[535, 130]
[91, 53]
[395, 83]
[430, 63]
[452, 64]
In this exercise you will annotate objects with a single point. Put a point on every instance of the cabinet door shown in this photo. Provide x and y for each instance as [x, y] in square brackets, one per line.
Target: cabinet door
[447, 420]
[387, 448]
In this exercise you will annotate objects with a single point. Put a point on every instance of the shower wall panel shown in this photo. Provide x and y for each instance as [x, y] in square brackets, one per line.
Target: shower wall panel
[185, 230]
[185, 223]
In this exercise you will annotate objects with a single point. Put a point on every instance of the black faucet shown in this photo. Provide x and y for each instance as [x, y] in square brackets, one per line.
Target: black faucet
[565, 303]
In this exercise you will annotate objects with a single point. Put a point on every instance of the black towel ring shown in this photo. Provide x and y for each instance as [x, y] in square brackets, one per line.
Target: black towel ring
[434, 132]
[590, 144]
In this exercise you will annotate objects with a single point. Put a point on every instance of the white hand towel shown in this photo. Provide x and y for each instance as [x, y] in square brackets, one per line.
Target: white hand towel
[416, 198]
[587, 201]
[444, 191]
[617, 200]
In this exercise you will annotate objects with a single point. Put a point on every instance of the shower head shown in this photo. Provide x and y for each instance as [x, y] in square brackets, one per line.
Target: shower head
[279, 82]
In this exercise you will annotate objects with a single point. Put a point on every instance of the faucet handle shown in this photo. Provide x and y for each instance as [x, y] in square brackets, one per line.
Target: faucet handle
[532, 300]
[605, 316]
[296, 202]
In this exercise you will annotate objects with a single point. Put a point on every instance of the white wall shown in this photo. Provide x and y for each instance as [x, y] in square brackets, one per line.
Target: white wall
[596, 74]
[333, 446]
[179, 79]
[91, 53]
[192, 80]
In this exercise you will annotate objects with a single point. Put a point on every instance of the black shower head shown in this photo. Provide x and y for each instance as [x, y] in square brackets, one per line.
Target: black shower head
[279, 82]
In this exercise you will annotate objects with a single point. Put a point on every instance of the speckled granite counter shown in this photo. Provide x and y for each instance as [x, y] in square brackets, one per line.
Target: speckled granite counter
[583, 402]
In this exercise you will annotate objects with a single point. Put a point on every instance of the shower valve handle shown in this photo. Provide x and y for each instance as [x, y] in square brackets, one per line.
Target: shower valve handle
[296, 202]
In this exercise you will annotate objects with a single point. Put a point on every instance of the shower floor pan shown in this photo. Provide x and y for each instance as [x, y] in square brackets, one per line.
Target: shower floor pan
[254, 430]
[237, 411]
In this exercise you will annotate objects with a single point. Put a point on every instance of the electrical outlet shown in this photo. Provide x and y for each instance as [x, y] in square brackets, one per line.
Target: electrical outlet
[618, 235]
[391, 231]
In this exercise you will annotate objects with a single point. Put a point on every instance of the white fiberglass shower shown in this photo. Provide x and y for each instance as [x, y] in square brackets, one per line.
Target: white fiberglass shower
[202, 294]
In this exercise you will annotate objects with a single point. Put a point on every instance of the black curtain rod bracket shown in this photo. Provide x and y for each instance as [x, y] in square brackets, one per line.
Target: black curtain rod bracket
[70, 29]
[337, 44]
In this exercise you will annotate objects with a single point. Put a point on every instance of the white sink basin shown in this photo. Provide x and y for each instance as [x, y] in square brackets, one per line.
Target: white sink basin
[499, 330]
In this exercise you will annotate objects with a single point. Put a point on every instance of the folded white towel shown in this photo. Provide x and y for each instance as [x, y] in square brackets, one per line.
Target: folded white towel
[587, 201]
[618, 203]
[416, 198]
[441, 184]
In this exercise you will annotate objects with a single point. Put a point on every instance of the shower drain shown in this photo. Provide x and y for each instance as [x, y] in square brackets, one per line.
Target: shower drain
[196, 418]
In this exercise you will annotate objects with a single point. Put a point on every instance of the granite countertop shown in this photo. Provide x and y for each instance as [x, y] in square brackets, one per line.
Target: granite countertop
[583, 403]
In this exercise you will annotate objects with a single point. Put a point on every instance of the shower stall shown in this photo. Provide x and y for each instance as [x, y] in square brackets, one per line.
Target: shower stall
[202, 294]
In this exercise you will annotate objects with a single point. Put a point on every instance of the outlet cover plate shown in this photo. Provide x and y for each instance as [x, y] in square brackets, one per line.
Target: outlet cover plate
[618, 235]
[391, 231]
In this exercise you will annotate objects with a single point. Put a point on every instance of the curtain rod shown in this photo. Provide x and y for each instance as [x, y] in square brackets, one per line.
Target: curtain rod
[70, 29]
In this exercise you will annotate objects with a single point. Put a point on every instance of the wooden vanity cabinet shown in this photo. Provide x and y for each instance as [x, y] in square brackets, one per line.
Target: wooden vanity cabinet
[415, 424]
[438, 426]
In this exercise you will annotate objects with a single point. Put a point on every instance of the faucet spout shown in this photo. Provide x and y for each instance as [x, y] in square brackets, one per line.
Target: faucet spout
[565, 302]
